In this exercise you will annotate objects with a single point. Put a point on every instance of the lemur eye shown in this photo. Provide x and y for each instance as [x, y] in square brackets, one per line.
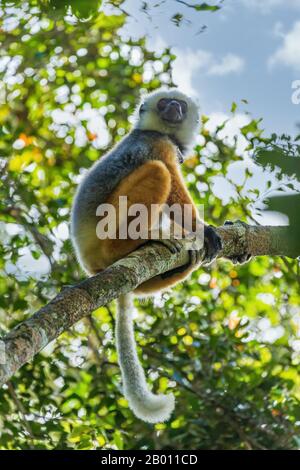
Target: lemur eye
[142, 109]
[162, 103]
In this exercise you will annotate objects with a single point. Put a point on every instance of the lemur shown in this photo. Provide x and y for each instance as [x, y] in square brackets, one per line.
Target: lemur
[144, 166]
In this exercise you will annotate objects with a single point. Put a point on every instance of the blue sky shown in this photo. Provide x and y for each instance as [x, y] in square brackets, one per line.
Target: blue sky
[250, 50]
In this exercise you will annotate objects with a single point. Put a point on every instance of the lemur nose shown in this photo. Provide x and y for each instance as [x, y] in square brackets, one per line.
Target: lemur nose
[175, 104]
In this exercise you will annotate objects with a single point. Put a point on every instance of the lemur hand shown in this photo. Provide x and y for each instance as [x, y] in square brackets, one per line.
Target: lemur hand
[243, 257]
[195, 256]
[174, 246]
[212, 244]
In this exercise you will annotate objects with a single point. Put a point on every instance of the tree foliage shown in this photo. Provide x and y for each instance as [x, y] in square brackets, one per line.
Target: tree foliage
[86, 9]
[282, 156]
[227, 341]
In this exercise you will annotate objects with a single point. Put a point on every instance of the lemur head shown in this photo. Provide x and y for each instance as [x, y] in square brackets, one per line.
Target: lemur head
[170, 112]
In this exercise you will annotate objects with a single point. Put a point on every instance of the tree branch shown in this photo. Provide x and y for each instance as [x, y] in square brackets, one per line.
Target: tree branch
[74, 303]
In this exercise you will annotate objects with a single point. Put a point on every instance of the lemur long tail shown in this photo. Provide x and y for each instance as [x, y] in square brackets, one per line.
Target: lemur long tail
[145, 405]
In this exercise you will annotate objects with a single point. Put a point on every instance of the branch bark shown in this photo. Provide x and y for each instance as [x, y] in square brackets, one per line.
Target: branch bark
[73, 303]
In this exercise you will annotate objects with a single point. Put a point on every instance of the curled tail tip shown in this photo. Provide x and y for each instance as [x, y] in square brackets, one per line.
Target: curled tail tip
[144, 404]
[156, 409]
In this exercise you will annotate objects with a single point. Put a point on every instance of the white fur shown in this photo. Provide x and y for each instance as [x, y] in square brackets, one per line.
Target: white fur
[145, 405]
[185, 132]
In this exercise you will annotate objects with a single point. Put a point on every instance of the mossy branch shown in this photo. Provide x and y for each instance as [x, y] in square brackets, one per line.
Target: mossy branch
[73, 303]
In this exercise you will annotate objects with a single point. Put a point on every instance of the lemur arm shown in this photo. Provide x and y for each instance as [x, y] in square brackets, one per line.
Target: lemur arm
[179, 193]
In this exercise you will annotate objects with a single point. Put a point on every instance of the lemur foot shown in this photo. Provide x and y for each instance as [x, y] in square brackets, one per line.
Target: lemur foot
[243, 257]
[212, 244]
[196, 257]
[173, 245]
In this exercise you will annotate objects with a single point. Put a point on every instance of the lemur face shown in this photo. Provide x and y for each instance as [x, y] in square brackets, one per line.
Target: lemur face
[172, 110]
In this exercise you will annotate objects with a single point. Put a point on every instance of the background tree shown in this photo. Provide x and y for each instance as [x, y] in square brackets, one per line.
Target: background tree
[227, 340]
[282, 156]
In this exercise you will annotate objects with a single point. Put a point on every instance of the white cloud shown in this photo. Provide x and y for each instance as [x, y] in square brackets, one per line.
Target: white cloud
[289, 52]
[230, 63]
[265, 6]
[188, 62]
[278, 30]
